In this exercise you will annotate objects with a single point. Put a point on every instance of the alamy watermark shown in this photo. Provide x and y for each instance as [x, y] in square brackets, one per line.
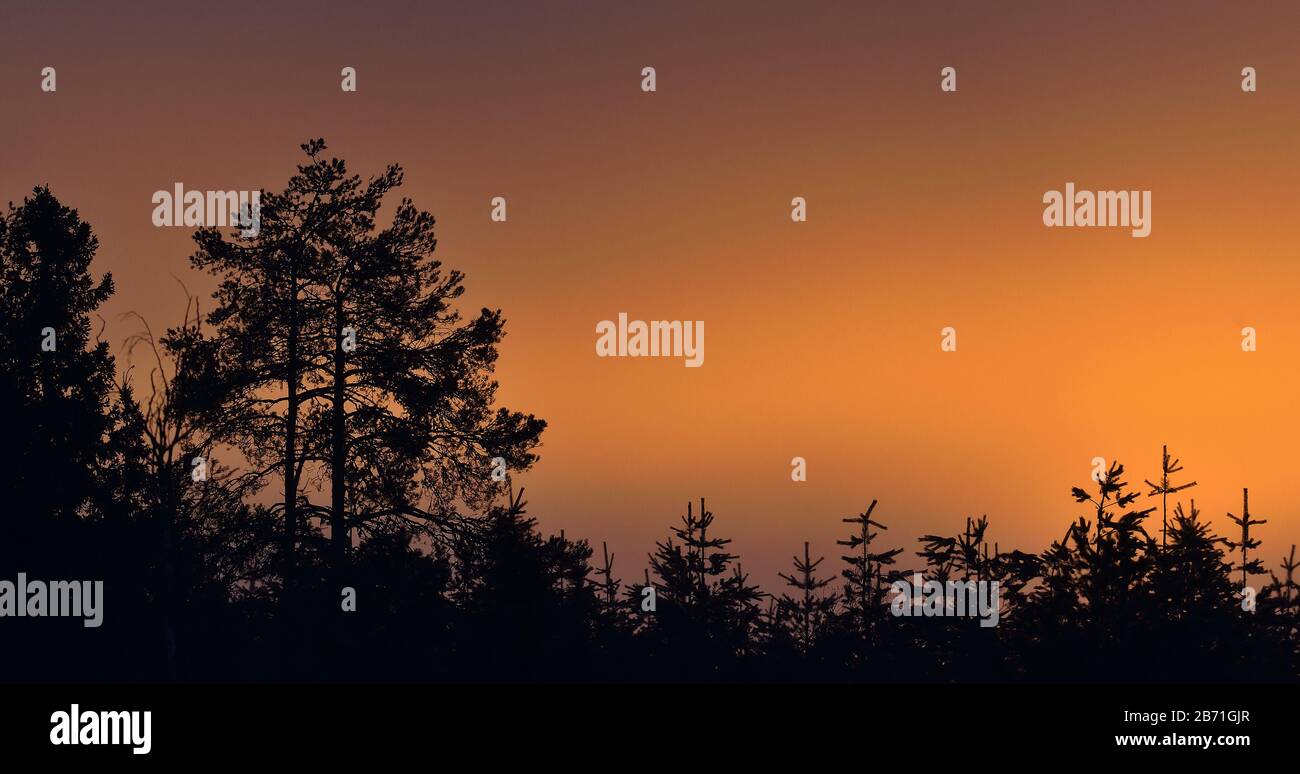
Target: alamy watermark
[91, 727]
[53, 599]
[931, 598]
[1123, 209]
[220, 209]
[657, 338]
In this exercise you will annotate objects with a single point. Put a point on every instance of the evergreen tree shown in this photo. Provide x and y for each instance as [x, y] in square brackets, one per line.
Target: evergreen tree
[1247, 543]
[706, 609]
[342, 356]
[806, 616]
[867, 577]
[617, 655]
[1194, 605]
[56, 384]
[526, 616]
[270, 325]
[1192, 578]
[1090, 617]
[608, 585]
[385, 387]
[1285, 592]
[959, 650]
[71, 463]
[1165, 487]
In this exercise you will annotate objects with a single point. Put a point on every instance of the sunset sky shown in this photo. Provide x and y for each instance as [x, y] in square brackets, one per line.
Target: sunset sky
[822, 338]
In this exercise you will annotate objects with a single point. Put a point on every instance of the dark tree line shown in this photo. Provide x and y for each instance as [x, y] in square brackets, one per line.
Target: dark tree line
[327, 426]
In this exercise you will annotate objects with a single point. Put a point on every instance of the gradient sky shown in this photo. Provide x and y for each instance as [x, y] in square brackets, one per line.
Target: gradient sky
[822, 338]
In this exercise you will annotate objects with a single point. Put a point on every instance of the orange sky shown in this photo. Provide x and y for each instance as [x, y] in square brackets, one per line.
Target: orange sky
[822, 337]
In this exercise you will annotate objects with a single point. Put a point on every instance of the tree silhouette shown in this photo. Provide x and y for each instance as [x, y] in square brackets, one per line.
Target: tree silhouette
[807, 615]
[207, 540]
[1092, 596]
[72, 462]
[527, 612]
[706, 610]
[1194, 576]
[389, 390]
[1246, 543]
[964, 652]
[118, 477]
[1193, 607]
[1165, 488]
[58, 387]
[865, 578]
[341, 350]
[1286, 590]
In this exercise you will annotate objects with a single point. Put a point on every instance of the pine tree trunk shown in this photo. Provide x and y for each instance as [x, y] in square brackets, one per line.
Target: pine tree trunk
[291, 430]
[340, 535]
[1164, 496]
[288, 595]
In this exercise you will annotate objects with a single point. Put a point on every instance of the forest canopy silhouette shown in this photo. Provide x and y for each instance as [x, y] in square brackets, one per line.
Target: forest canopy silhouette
[328, 422]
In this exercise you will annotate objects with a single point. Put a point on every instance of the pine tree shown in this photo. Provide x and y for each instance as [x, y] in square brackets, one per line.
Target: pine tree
[1193, 577]
[1287, 590]
[706, 608]
[1116, 560]
[608, 584]
[526, 617]
[1093, 597]
[1192, 610]
[807, 615]
[1280, 602]
[1165, 488]
[967, 556]
[347, 353]
[1111, 503]
[57, 385]
[407, 416]
[71, 466]
[270, 325]
[866, 577]
[1247, 543]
